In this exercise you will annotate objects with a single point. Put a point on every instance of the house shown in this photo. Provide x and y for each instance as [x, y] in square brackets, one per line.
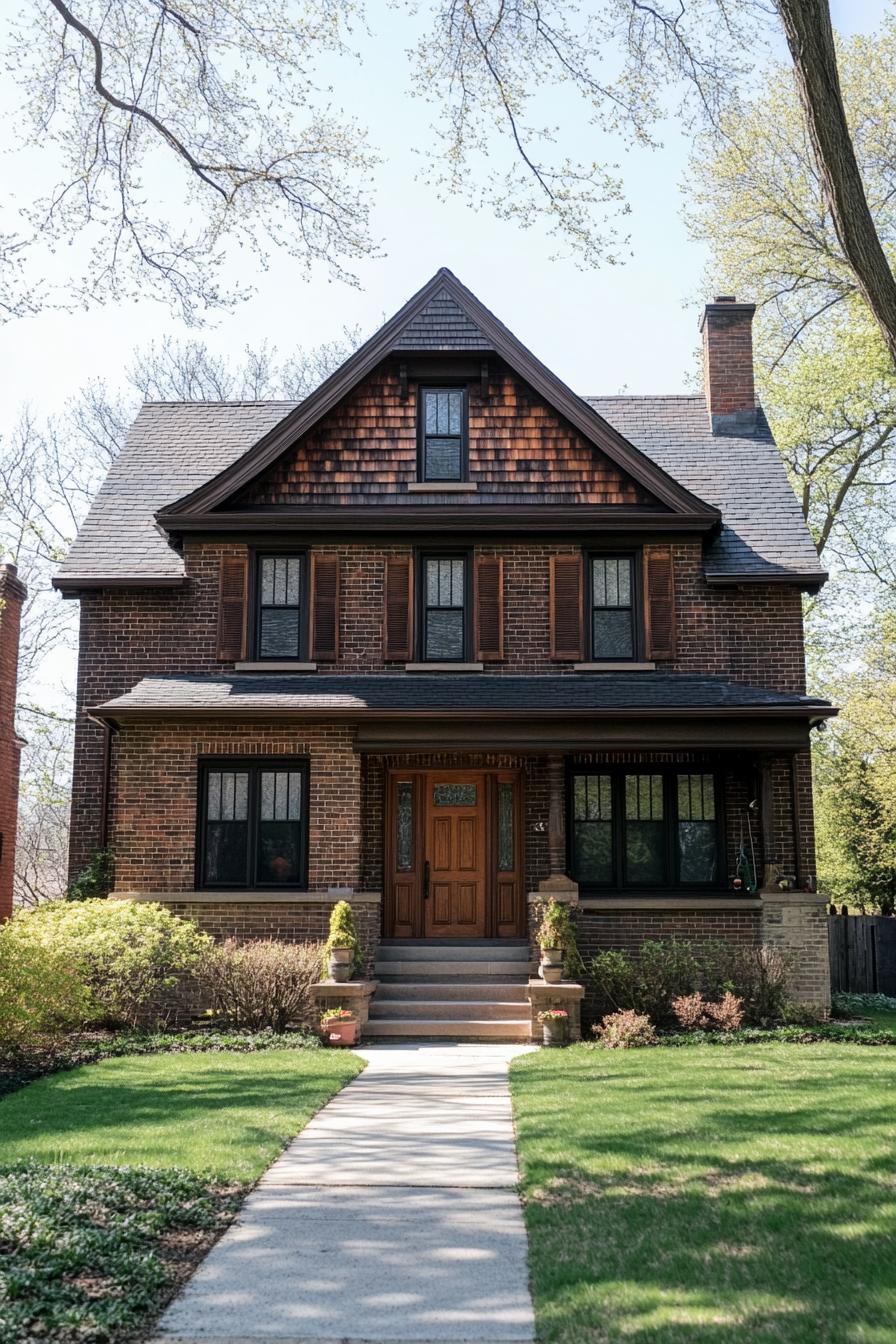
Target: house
[12, 597]
[446, 637]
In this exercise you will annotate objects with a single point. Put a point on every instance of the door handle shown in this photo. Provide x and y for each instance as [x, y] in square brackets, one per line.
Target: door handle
[426, 880]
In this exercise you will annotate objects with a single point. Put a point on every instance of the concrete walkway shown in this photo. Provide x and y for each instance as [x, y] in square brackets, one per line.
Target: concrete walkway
[393, 1217]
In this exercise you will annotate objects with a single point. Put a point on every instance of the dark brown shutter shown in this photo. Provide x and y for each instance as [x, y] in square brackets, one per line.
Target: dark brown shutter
[397, 628]
[324, 607]
[566, 607]
[659, 602]
[488, 583]
[233, 585]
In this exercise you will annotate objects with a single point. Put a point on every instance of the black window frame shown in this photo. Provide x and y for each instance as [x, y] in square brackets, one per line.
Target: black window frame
[299, 553]
[421, 608]
[447, 386]
[637, 606]
[671, 881]
[254, 766]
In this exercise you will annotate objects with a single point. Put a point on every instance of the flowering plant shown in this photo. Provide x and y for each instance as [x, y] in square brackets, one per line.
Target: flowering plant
[553, 1015]
[336, 1015]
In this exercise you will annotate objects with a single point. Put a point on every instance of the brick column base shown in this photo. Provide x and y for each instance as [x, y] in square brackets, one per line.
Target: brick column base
[352, 994]
[567, 995]
[796, 923]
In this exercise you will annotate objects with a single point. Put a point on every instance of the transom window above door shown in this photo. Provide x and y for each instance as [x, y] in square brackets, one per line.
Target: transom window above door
[280, 606]
[444, 609]
[644, 829]
[443, 434]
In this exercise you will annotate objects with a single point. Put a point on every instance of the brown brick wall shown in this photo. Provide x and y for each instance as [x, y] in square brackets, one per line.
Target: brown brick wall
[12, 595]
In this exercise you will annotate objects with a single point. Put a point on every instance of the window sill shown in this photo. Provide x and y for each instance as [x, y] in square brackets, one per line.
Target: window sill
[444, 667]
[614, 667]
[271, 666]
[208, 896]
[442, 487]
[672, 901]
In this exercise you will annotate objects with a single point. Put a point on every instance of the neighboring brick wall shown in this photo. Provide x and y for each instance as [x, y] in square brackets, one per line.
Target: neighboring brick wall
[12, 595]
[153, 820]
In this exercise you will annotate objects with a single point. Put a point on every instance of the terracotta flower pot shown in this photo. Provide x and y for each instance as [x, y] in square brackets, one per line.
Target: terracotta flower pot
[551, 968]
[340, 963]
[341, 1031]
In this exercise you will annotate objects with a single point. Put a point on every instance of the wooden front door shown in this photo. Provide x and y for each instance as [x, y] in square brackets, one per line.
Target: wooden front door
[454, 877]
[454, 854]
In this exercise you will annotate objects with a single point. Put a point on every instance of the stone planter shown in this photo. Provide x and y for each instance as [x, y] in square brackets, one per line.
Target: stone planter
[341, 1031]
[554, 1033]
[340, 963]
[551, 968]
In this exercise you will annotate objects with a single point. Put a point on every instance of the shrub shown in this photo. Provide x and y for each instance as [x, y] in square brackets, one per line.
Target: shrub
[41, 992]
[123, 952]
[94, 880]
[344, 933]
[727, 1014]
[557, 930]
[625, 1031]
[855, 1005]
[263, 984]
[690, 1012]
[673, 970]
[694, 1013]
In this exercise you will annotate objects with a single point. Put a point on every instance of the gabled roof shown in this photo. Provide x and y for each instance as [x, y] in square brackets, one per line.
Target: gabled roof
[443, 315]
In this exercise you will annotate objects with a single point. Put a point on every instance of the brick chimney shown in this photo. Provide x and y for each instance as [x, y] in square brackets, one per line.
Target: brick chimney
[12, 595]
[727, 328]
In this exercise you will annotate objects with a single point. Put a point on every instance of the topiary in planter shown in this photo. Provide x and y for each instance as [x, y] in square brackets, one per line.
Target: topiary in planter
[342, 950]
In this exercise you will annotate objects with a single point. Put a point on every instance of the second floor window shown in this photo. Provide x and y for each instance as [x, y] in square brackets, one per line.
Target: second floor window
[280, 606]
[443, 424]
[612, 607]
[444, 609]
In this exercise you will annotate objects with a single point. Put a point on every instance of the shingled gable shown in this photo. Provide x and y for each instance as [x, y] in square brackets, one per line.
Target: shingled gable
[443, 316]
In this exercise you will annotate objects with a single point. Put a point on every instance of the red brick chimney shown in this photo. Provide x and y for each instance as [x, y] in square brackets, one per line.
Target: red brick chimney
[12, 595]
[727, 328]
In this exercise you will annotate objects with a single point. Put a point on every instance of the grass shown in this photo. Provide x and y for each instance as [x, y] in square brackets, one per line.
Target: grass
[118, 1176]
[222, 1115]
[708, 1196]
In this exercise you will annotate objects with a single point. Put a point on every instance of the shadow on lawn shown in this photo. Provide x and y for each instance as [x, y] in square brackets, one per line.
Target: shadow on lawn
[710, 1217]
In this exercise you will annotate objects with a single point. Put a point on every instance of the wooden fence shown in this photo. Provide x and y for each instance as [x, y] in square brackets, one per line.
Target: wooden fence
[862, 950]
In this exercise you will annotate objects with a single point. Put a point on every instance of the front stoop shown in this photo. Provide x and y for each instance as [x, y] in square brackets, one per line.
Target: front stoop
[447, 990]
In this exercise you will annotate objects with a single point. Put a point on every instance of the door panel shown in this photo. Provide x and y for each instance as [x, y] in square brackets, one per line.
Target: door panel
[456, 849]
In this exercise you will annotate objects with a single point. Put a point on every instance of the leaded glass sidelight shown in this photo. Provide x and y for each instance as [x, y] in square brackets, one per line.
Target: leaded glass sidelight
[698, 842]
[506, 844]
[442, 433]
[279, 606]
[404, 823]
[226, 827]
[593, 828]
[444, 602]
[645, 843]
[612, 607]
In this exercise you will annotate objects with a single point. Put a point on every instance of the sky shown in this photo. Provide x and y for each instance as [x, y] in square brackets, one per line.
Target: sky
[626, 328]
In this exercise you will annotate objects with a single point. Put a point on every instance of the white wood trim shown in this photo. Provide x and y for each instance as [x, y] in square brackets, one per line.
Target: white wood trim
[442, 487]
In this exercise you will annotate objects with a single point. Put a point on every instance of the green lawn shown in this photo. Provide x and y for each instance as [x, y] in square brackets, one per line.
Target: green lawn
[711, 1196]
[223, 1115]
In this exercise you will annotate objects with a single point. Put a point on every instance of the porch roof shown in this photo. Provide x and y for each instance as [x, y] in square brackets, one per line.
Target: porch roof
[455, 695]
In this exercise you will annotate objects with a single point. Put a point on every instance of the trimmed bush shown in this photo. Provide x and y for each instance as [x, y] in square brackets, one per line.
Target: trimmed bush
[694, 1013]
[41, 992]
[343, 933]
[123, 952]
[625, 1030]
[262, 985]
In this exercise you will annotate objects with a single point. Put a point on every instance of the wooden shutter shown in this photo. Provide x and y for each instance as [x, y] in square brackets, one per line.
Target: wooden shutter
[566, 608]
[488, 585]
[324, 606]
[398, 609]
[659, 602]
[233, 587]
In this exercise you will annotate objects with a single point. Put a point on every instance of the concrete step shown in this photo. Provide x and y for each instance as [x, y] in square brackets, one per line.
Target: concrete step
[498, 949]
[446, 1028]
[445, 968]
[492, 1010]
[467, 990]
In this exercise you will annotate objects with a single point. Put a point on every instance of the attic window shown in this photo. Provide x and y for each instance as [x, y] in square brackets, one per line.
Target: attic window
[443, 433]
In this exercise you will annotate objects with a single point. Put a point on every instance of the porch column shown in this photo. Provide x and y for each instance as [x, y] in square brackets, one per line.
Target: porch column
[557, 883]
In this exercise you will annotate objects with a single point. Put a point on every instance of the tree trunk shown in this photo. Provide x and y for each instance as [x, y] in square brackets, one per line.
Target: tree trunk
[807, 25]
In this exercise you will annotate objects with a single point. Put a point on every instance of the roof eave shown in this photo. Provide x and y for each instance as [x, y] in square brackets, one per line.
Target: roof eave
[71, 585]
[808, 581]
[113, 713]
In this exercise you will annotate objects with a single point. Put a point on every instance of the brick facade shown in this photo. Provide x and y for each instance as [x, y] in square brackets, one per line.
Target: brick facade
[12, 595]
